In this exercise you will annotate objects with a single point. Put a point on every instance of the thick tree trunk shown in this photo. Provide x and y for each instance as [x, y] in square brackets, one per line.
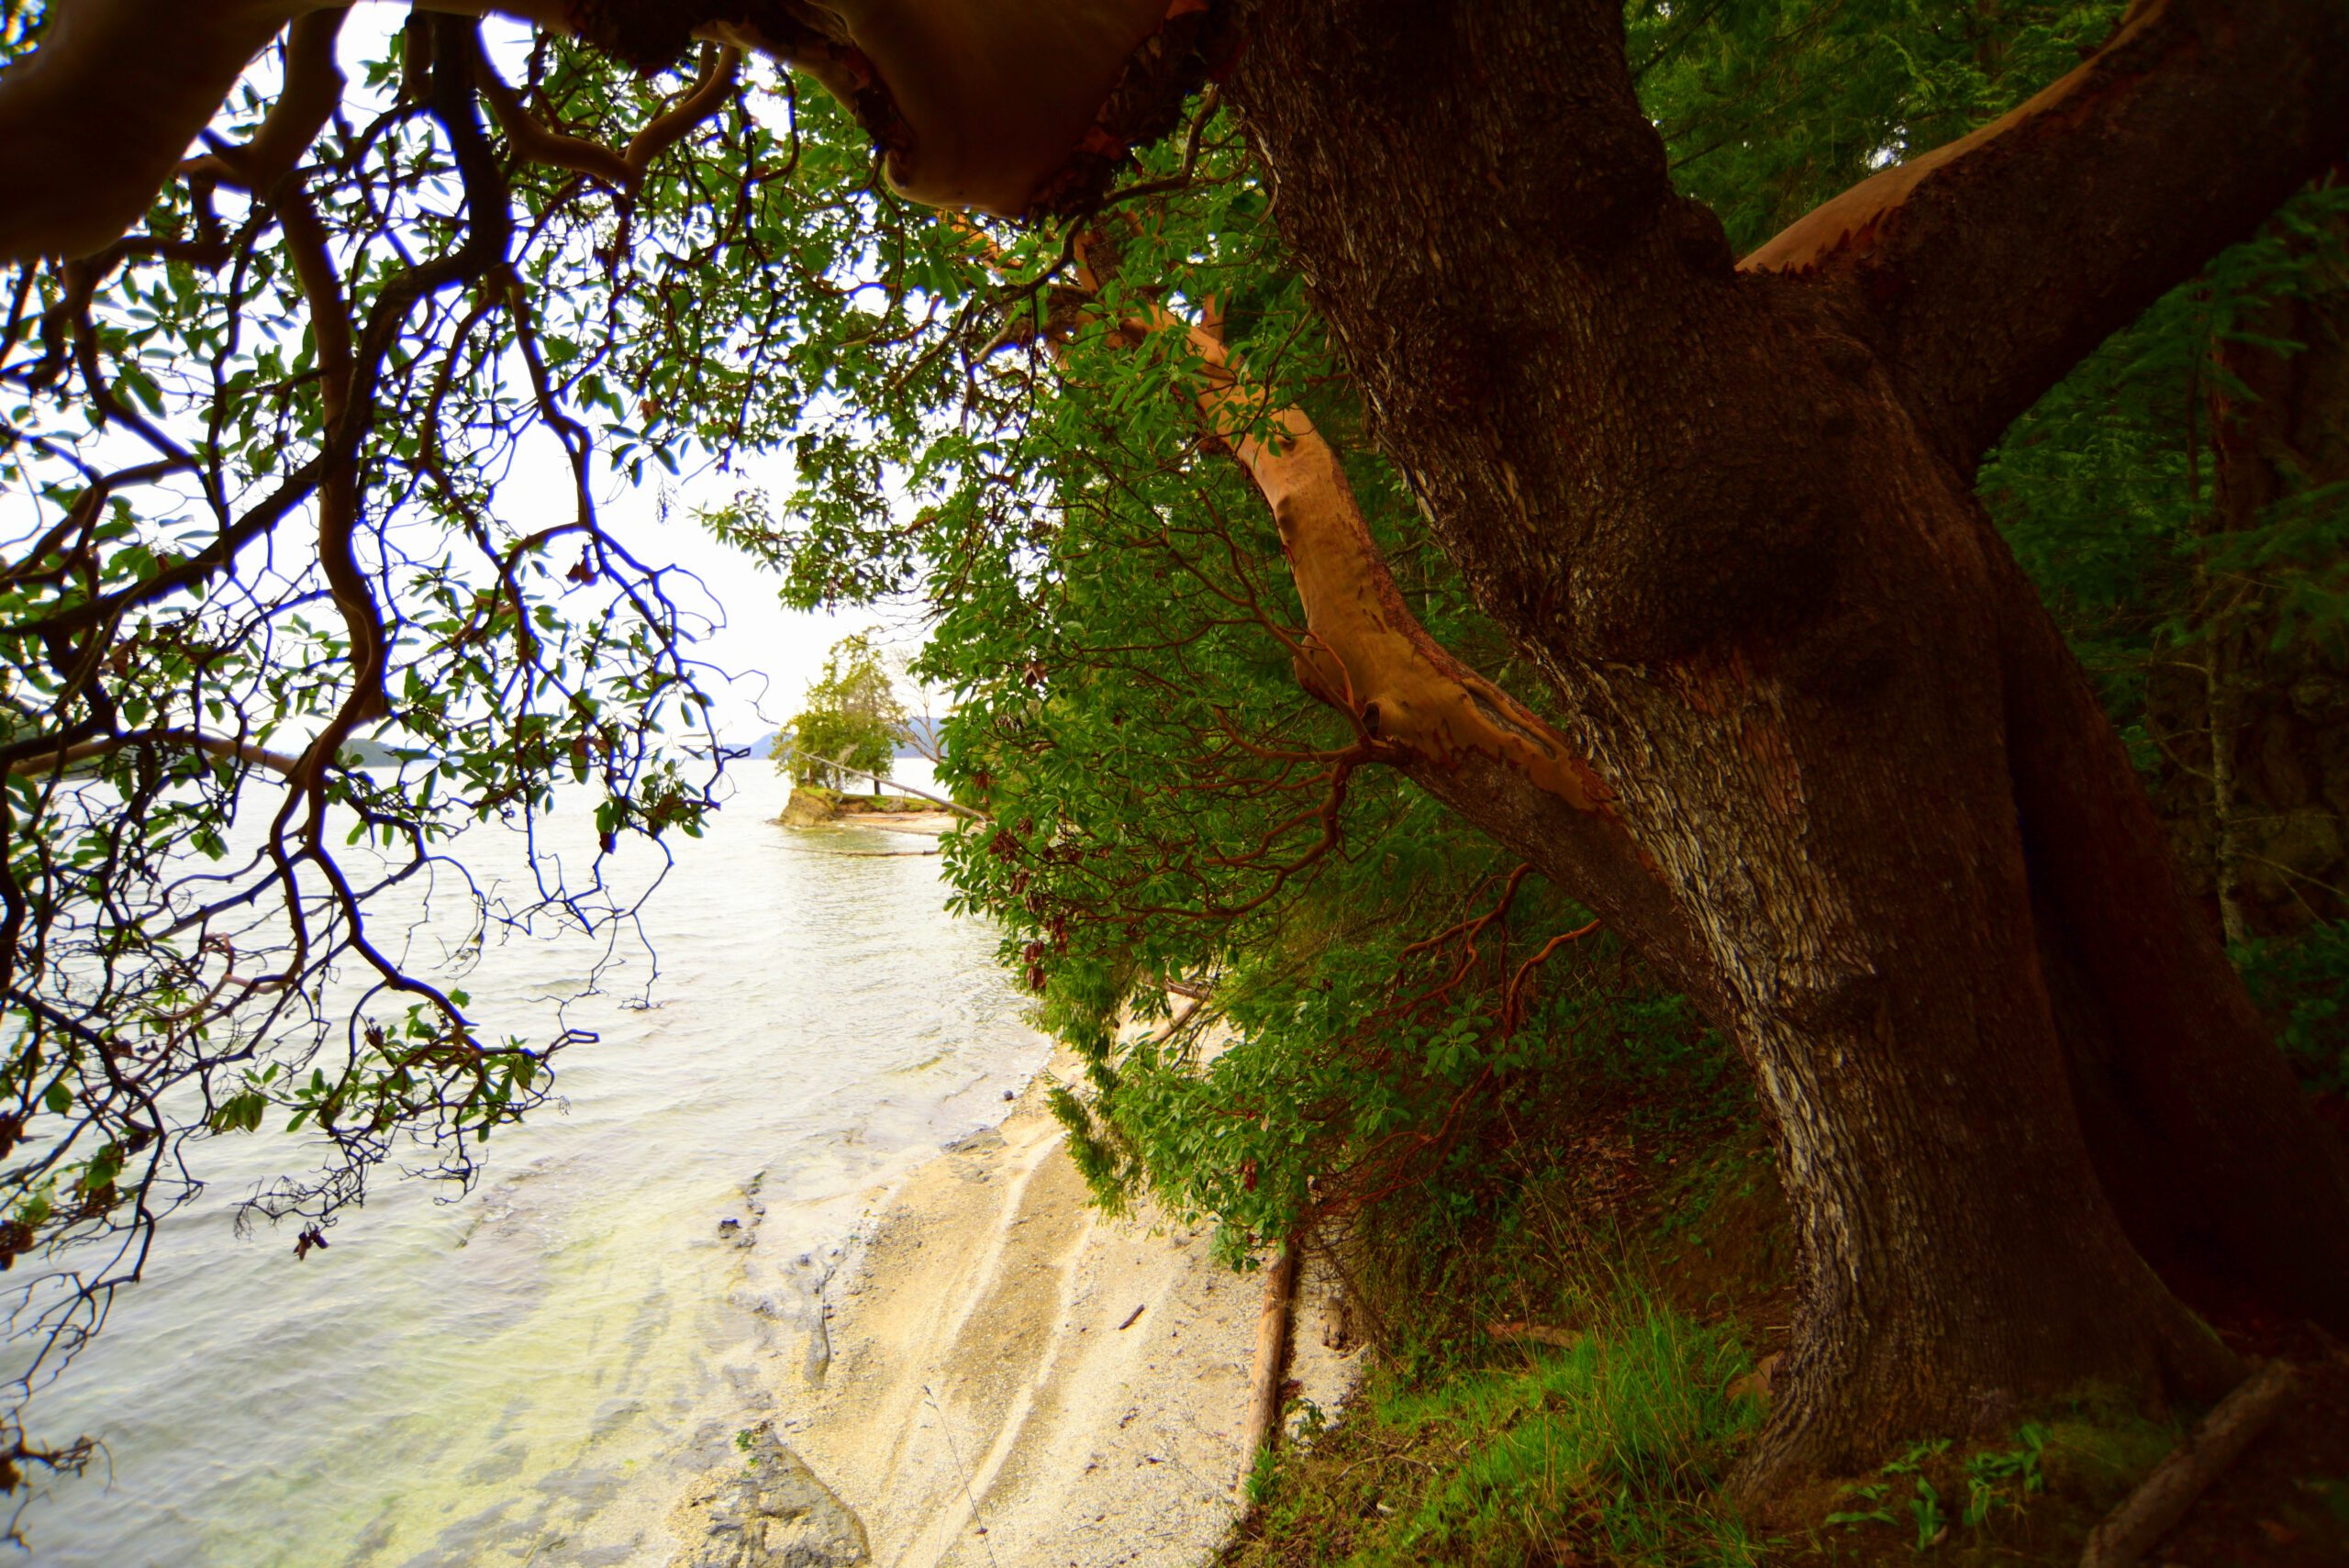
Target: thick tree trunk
[2202, 1137]
[1830, 764]
[1843, 832]
[1900, 853]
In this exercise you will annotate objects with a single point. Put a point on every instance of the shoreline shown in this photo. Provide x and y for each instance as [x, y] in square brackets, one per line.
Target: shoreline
[1004, 1375]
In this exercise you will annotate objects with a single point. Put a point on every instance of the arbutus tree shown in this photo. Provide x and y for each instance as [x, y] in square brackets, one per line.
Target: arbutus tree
[1818, 751]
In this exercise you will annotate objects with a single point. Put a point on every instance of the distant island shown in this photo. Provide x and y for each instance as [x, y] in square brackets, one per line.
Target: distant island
[376, 754]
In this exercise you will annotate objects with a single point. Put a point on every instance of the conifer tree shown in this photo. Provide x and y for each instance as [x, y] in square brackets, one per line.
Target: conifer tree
[849, 723]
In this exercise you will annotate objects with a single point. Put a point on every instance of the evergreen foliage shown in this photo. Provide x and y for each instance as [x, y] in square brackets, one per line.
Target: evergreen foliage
[849, 723]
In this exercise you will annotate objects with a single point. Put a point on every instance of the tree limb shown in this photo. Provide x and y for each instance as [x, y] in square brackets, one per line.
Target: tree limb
[1366, 653]
[1458, 736]
[488, 231]
[539, 143]
[2150, 1511]
[1455, 734]
[96, 118]
[1989, 266]
[720, 67]
[624, 172]
[64, 757]
[977, 103]
[313, 90]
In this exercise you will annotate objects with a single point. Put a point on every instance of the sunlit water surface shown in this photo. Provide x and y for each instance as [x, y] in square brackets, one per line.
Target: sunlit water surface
[528, 1376]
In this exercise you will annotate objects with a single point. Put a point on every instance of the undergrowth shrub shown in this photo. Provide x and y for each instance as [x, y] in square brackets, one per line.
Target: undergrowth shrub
[2303, 984]
[1613, 1447]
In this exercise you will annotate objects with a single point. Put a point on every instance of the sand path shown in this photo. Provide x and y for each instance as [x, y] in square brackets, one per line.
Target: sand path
[984, 1409]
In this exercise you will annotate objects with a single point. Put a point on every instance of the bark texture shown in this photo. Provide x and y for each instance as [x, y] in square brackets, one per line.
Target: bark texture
[999, 105]
[2150, 1512]
[1457, 735]
[1729, 514]
[1822, 754]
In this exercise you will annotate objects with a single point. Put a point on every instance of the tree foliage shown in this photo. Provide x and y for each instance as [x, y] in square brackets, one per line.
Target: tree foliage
[850, 722]
[252, 457]
[1119, 632]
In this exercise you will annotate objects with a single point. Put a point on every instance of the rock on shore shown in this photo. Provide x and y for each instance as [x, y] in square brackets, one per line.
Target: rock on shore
[768, 1512]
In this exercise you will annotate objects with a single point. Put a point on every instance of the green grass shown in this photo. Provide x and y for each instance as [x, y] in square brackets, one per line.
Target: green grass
[1612, 1449]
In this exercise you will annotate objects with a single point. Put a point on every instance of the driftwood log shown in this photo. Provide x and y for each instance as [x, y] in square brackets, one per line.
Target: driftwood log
[1536, 1333]
[1271, 1357]
[2217, 1442]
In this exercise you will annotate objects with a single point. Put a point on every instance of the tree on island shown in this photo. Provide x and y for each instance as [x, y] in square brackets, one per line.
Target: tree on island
[1789, 719]
[850, 722]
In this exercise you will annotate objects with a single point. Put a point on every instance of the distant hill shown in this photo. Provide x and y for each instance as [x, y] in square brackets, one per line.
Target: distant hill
[364, 753]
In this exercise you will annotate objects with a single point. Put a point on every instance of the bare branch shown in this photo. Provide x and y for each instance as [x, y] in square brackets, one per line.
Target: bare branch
[313, 90]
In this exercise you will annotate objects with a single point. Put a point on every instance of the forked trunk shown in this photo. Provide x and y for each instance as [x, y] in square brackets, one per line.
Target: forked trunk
[2202, 1139]
[1856, 795]
[1836, 809]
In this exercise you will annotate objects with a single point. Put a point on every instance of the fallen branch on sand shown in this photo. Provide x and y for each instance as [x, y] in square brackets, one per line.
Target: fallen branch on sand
[1272, 1356]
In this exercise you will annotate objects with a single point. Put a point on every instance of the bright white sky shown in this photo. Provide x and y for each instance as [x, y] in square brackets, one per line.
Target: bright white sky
[774, 652]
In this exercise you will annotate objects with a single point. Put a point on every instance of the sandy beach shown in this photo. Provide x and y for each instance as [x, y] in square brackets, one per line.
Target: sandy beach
[1006, 1377]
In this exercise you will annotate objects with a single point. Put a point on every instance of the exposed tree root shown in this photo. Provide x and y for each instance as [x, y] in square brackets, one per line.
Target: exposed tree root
[2153, 1508]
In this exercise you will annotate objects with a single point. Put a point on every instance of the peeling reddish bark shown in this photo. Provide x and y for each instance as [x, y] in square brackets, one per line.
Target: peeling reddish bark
[1367, 654]
[1454, 733]
[987, 104]
[1457, 735]
[1990, 266]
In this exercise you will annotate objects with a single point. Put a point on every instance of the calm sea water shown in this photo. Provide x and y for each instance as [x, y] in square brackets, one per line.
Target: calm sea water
[529, 1374]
